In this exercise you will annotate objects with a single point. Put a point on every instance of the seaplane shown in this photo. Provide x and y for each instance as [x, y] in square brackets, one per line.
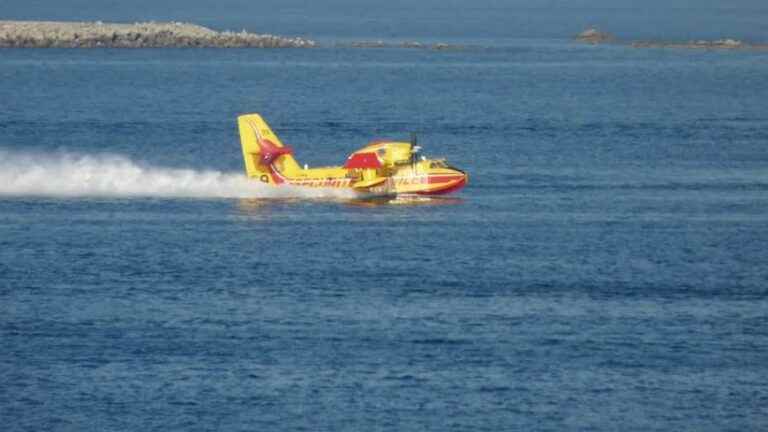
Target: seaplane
[380, 169]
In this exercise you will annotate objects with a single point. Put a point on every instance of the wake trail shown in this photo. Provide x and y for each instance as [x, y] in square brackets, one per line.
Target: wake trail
[103, 175]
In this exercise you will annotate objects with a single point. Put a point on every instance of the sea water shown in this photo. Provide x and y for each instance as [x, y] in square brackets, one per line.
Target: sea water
[604, 269]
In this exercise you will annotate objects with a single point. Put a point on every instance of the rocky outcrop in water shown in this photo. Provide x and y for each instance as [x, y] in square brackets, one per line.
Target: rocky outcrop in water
[731, 44]
[594, 36]
[49, 34]
[406, 44]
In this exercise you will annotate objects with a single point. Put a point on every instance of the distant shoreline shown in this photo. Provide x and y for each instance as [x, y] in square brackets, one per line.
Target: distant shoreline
[97, 34]
[62, 34]
[58, 34]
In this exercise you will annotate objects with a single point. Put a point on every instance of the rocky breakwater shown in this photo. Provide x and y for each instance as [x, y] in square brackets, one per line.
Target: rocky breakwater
[48, 34]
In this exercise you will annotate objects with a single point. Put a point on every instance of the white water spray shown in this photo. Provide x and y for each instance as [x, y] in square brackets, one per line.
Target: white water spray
[83, 175]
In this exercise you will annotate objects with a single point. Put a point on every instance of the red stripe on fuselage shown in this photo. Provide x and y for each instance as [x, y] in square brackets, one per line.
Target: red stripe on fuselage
[444, 178]
[450, 187]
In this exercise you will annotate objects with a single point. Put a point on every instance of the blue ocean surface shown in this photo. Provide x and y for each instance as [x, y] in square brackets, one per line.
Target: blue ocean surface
[606, 267]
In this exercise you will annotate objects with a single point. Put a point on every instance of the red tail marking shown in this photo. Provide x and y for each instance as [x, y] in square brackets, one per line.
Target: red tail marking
[270, 151]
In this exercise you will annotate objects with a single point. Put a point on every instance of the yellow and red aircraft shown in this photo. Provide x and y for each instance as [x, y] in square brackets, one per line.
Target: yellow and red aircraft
[382, 168]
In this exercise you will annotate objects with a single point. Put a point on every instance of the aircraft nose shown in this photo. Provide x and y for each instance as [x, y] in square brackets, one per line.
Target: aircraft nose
[464, 175]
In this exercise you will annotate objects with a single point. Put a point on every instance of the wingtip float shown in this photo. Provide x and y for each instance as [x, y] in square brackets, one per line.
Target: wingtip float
[382, 168]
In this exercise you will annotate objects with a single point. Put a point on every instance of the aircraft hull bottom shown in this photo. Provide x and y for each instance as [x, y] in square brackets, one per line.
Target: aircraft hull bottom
[424, 186]
[446, 189]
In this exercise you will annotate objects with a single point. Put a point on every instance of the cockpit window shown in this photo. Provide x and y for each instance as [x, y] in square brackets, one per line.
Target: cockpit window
[438, 164]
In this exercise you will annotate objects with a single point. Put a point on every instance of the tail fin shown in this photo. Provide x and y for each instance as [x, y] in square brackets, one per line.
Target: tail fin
[265, 156]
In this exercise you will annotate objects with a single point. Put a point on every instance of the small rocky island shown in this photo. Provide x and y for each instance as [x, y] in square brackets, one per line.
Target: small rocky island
[51, 34]
[594, 36]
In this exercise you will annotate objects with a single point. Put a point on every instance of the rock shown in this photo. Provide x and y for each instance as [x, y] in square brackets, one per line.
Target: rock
[702, 44]
[406, 44]
[728, 43]
[45, 34]
[594, 36]
[411, 44]
[368, 44]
